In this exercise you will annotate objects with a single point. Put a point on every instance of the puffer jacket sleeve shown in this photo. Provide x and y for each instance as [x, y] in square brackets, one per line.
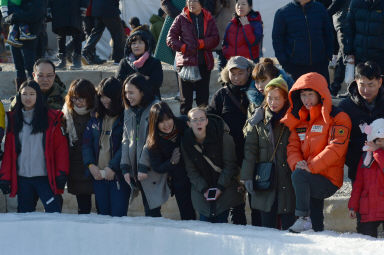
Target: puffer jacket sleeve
[61, 153]
[195, 177]
[294, 153]
[357, 189]
[125, 163]
[174, 33]
[278, 38]
[123, 71]
[230, 168]
[253, 32]
[89, 156]
[337, 147]
[211, 37]
[350, 29]
[251, 153]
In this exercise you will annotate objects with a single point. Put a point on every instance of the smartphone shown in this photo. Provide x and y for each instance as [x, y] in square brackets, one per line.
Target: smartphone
[212, 194]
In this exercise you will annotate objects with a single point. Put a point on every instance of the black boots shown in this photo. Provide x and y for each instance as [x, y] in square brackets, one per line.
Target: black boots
[76, 62]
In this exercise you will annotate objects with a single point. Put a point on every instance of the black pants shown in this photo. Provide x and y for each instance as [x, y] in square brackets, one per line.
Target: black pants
[237, 215]
[87, 25]
[116, 30]
[76, 41]
[269, 219]
[201, 87]
[42, 42]
[84, 203]
[298, 70]
[24, 59]
[311, 190]
[369, 228]
[184, 202]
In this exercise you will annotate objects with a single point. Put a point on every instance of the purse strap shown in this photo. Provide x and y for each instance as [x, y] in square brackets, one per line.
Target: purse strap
[235, 101]
[277, 144]
[216, 168]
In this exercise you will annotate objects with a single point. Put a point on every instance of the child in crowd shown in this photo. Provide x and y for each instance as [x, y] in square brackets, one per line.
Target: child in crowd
[17, 32]
[367, 198]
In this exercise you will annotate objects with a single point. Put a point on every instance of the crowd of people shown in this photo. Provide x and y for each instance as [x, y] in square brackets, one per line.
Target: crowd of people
[271, 134]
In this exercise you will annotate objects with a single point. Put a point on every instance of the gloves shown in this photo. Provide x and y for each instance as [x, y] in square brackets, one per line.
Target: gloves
[249, 186]
[5, 187]
[4, 11]
[61, 180]
[83, 12]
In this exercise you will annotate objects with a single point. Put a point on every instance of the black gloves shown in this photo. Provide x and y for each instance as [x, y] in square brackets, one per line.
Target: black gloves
[5, 187]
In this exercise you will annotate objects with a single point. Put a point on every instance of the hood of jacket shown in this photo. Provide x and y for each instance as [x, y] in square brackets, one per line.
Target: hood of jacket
[312, 81]
[356, 98]
[156, 18]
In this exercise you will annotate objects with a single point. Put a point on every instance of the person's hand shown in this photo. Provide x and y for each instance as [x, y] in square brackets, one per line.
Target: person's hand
[142, 176]
[371, 146]
[352, 214]
[83, 12]
[218, 194]
[127, 178]
[109, 174]
[303, 165]
[244, 20]
[175, 158]
[95, 171]
[350, 59]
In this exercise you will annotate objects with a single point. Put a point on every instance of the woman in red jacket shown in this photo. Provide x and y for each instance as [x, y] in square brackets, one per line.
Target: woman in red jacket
[193, 35]
[367, 196]
[35, 162]
[244, 33]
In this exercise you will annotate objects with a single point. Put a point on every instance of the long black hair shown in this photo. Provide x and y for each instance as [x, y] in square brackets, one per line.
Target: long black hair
[142, 84]
[111, 88]
[40, 116]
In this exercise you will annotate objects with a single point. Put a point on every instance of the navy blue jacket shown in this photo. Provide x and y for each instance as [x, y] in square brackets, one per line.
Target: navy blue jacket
[302, 35]
[91, 138]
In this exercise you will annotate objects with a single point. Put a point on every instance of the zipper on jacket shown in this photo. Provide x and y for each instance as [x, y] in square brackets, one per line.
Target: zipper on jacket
[309, 36]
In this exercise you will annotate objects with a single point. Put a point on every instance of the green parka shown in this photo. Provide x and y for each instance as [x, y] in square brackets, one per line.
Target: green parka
[260, 139]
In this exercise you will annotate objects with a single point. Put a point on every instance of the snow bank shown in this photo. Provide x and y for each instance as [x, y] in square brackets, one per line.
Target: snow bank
[39, 233]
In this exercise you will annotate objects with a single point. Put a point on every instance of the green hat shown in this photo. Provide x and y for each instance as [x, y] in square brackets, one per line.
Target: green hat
[278, 82]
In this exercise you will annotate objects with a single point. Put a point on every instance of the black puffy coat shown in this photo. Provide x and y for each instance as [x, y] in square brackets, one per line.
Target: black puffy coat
[302, 35]
[364, 33]
[67, 15]
[357, 110]
[105, 8]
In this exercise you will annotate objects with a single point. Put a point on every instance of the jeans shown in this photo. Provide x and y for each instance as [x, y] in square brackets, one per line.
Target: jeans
[116, 30]
[31, 187]
[112, 197]
[24, 58]
[201, 87]
[311, 190]
[221, 218]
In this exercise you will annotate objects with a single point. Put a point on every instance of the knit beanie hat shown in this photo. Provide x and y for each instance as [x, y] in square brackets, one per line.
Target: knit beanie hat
[278, 82]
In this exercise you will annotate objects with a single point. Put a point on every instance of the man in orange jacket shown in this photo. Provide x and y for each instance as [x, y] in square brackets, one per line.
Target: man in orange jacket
[317, 148]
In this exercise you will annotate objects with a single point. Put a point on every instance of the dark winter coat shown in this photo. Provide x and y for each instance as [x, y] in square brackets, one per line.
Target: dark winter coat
[364, 34]
[203, 176]
[338, 10]
[31, 12]
[105, 8]
[242, 40]
[161, 155]
[151, 68]
[55, 153]
[302, 35]
[79, 178]
[260, 141]
[367, 196]
[66, 15]
[359, 113]
[91, 140]
[156, 26]
[223, 106]
[183, 32]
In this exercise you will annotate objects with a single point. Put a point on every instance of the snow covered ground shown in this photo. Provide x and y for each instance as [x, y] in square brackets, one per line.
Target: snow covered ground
[40, 234]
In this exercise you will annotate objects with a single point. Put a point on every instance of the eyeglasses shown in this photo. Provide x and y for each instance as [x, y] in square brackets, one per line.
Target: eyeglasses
[198, 120]
[48, 76]
[78, 99]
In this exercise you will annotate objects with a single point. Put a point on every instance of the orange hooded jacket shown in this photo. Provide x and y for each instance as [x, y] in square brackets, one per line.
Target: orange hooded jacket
[320, 135]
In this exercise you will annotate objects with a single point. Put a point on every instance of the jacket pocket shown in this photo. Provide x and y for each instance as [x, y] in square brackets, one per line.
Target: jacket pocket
[364, 203]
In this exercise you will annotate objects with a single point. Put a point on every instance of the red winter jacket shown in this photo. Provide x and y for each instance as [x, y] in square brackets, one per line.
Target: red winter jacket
[242, 40]
[367, 196]
[183, 32]
[56, 153]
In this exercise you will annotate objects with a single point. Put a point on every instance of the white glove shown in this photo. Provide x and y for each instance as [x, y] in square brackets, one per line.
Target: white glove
[4, 11]
[83, 12]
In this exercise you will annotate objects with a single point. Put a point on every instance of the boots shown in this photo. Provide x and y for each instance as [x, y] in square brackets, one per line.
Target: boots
[13, 37]
[18, 82]
[76, 62]
[62, 63]
[25, 33]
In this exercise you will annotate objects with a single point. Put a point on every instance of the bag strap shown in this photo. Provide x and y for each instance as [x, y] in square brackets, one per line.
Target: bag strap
[216, 168]
[277, 144]
[235, 101]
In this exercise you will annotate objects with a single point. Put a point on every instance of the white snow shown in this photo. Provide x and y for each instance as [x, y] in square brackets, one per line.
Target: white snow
[39, 233]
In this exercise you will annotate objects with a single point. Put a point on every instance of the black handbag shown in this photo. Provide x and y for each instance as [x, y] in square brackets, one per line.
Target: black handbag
[264, 173]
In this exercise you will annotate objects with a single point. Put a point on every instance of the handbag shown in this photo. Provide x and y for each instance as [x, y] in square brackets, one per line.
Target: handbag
[190, 73]
[265, 171]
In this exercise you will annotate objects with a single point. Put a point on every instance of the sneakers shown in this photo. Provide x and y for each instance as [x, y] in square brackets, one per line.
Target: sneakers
[97, 60]
[25, 34]
[76, 64]
[300, 225]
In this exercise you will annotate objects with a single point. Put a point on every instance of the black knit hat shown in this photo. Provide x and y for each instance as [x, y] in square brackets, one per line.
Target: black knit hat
[249, 2]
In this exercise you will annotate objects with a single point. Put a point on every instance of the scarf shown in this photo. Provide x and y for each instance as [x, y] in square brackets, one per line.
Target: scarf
[138, 63]
[171, 136]
[70, 125]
